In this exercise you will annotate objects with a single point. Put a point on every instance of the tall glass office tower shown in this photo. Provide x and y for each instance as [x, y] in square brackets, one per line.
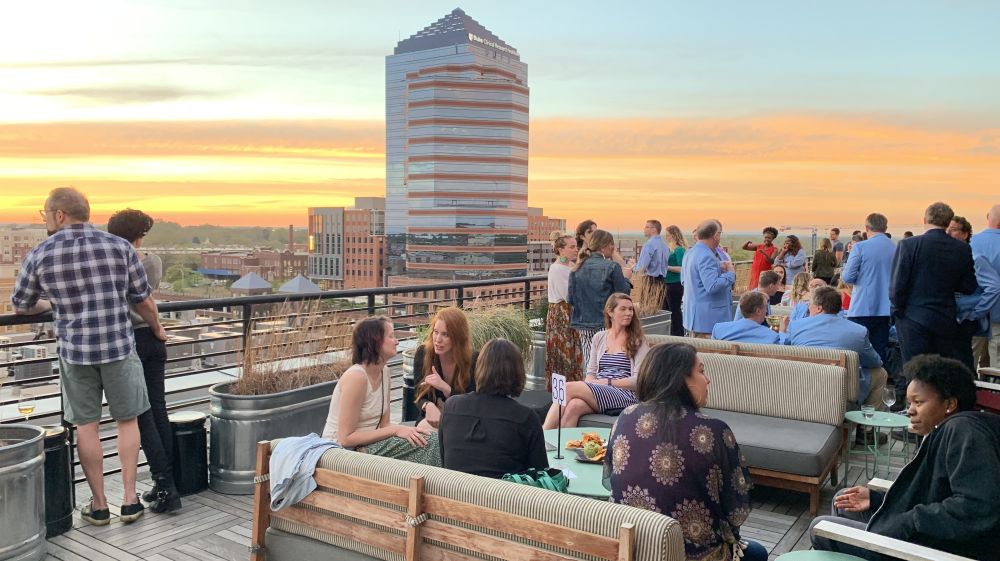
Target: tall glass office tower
[456, 154]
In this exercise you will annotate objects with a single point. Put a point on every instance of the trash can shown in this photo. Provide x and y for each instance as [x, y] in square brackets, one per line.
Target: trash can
[22, 489]
[59, 497]
[190, 452]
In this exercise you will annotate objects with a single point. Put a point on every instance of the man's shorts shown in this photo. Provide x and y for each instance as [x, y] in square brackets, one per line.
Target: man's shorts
[122, 381]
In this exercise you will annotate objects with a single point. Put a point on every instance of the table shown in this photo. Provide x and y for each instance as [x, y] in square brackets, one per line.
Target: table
[589, 477]
[878, 421]
[813, 555]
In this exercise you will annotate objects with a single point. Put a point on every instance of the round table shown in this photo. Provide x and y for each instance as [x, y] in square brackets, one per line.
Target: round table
[878, 421]
[814, 555]
[589, 477]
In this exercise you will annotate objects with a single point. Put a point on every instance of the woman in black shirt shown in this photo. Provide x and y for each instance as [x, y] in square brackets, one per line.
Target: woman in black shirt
[444, 365]
[486, 432]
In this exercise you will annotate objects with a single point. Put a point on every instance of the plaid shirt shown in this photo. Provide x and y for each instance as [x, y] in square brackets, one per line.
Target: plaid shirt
[90, 277]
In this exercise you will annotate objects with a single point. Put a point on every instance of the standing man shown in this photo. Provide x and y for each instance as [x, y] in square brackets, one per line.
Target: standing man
[708, 282]
[838, 246]
[927, 271]
[652, 260]
[986, 245]
[90, 277]
[869, 268]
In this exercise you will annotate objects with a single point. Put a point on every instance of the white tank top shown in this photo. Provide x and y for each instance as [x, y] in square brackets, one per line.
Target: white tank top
[374, 404]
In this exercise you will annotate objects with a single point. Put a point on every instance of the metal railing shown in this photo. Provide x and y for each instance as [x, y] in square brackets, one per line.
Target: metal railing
[232, 320]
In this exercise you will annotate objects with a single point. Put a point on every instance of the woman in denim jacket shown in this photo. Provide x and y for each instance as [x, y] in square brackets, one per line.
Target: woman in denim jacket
[599, 273]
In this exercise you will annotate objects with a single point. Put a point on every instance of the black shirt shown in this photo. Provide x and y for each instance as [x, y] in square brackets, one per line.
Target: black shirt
[490, 435]
[435, 395]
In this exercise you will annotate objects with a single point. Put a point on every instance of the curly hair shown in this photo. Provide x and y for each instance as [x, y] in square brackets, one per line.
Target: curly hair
[130, 224]
[948, 377]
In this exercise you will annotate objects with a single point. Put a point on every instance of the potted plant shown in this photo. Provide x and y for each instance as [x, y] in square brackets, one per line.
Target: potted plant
[284, 390]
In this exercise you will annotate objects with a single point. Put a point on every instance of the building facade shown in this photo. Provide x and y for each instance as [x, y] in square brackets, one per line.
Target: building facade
[15, 243]
[540, 227]
[456, 155]
[272, 265]
[347, 245]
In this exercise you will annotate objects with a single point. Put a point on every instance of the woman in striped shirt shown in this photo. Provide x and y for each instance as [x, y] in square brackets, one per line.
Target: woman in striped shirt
[615, 356]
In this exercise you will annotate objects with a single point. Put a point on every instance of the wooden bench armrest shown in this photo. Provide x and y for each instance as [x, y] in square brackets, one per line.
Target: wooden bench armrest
[880, 485]
[881, 544]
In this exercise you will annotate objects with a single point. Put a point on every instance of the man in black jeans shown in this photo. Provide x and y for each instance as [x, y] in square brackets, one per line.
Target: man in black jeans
[154, 426]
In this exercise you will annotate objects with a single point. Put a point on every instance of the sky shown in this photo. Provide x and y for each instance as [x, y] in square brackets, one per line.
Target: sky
[248, 112]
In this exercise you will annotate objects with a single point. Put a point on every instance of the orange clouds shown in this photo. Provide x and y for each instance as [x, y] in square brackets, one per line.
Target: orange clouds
[782, 169]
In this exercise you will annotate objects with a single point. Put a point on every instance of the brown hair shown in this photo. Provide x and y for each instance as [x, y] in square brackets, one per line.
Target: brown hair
[130, 224]
[752, 301]
[825, 244]
[71, 201]
[800, 285]
[581, 231]
[598, 241]
[939, 214]
[795, 246]
[500, 369]
[965, 225]
[367, 338]
[634, 334]
[458, 330]
[827, 298]
[675, 235]
[558, 240]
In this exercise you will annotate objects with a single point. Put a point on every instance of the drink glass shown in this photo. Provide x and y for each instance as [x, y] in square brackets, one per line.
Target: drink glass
[26, 404]
[867, 411]
[889, 396]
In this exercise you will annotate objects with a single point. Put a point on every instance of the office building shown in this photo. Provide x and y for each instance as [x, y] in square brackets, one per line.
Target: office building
[347, 245]
[540, 226]
[456, 155]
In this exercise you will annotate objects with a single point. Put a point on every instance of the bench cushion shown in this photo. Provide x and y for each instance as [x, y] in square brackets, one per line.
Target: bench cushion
[784, 445]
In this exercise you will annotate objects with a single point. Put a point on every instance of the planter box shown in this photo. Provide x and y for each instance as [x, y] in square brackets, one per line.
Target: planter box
[240, 421]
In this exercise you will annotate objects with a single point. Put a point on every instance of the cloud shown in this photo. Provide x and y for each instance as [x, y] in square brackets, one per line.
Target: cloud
[127, 93]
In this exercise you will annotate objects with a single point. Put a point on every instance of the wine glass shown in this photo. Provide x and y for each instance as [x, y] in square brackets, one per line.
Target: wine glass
[889, 397]
[26, 404]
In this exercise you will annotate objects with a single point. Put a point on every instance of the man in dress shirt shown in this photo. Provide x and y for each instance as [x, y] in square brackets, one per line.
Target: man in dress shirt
[748, 328]
[768, 286]
[986, 245]
[652, 260]
[708, 282]
[869, 268]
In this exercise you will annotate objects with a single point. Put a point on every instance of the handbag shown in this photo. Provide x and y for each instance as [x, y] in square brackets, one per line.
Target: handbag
[552, 479]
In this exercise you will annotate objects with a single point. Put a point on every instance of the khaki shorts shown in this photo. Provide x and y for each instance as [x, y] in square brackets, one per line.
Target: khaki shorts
[121, 381]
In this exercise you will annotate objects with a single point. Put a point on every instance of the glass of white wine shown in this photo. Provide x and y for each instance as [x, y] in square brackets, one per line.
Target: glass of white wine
[889, 397]
[26, 404]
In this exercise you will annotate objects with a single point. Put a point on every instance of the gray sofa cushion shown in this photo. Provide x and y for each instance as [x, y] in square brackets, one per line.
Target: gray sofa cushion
[785, 445]
[283, 546]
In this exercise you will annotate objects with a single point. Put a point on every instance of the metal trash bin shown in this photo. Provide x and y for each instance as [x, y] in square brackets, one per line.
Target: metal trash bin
[59, 496]
[190, 452]
[22, 487]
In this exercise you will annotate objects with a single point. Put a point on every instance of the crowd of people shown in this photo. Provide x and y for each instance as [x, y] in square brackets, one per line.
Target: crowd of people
[934, 296]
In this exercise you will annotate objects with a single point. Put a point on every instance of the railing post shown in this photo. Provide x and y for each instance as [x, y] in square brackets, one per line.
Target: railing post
[460, 298]
[371, 304]
[247, 316]
[527, 295]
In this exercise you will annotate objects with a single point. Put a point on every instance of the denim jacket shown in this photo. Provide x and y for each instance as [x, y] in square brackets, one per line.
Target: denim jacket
[589, 289]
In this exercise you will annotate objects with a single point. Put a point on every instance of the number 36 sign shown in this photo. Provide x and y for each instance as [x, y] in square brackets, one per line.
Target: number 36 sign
[558, 389]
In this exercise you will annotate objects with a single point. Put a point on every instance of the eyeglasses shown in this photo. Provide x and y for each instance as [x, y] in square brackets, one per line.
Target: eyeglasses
[44, 213]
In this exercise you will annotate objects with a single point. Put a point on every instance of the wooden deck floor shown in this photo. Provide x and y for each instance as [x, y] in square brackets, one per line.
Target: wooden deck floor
[215, 527]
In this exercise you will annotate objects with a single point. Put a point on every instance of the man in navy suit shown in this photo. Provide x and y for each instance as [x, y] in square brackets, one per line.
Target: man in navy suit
[708, 282]
[869, 268]
[927, 271]
[748, 328]
[825, 328]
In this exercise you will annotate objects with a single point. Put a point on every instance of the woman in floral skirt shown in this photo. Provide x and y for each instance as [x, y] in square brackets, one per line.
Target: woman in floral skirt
[562, 342]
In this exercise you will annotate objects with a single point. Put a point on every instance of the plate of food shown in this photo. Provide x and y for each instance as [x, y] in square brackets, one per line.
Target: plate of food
[590, 448]
[584, 439]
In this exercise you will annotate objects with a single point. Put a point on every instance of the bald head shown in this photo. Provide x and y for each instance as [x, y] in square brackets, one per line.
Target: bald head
[707, 229]
[70, 201]
[993, 217]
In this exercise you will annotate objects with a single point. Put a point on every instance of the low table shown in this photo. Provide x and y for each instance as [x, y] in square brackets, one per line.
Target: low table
[878, 421]
[589, 477]
[814, 555]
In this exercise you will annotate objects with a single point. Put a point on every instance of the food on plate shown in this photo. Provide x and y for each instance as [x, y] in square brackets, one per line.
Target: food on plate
[584, 439]
[592, 449]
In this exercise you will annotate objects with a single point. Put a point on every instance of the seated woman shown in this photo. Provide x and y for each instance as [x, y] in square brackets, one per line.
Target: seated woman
[947, 497]
[667, 457]
[359, 409]
[443, 365]
[782, 286]
[615, 356]
[486, 432]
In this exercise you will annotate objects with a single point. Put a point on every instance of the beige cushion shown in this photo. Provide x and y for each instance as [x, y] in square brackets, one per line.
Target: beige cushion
[657, 536]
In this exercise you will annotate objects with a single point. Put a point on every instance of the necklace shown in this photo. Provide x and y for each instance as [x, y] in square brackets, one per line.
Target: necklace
[563, 260]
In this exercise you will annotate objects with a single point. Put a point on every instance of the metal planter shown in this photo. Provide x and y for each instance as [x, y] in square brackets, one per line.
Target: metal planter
[240, 421]
[22, 493]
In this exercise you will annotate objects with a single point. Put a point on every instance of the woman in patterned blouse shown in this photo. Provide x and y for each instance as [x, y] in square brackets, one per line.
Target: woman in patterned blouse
[666, 456]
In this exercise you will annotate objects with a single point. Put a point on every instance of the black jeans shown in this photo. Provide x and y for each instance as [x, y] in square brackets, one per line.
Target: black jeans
[878, 332]
[675, 291]
[915, 339]
[154, 427]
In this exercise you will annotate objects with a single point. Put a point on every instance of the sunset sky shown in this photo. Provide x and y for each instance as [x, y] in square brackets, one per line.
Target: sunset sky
[247, 112]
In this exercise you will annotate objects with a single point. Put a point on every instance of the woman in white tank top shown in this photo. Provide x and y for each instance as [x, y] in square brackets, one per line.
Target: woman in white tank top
[359, 408]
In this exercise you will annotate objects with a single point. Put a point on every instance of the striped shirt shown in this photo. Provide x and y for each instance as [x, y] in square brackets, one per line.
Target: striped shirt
[90, 277]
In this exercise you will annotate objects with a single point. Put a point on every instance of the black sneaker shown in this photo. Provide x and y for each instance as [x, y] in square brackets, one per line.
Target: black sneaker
[131, 513]
[99, 517]
[150, 496]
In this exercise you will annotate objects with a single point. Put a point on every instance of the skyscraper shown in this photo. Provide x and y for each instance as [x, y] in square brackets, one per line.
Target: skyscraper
[456, 154]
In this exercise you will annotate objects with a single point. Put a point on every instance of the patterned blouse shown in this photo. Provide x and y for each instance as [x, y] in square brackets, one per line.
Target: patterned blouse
[690, 469]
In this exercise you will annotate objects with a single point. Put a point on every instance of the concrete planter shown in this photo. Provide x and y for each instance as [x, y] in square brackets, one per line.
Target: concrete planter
[240, 421]
[22, 493]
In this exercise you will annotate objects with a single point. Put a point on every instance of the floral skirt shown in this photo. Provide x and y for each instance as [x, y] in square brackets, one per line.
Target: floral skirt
[562, 345]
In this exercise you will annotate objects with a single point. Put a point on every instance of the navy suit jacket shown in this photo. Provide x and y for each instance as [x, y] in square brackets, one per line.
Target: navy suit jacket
[834, 332]
[926, 273]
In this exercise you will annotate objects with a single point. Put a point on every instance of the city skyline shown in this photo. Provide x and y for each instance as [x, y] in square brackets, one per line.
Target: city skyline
[781, 114]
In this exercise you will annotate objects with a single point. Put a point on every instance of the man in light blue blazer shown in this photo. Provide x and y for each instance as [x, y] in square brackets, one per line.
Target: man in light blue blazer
[748, 328]
[767, 285]
[708, 282]
[825, 328]
[869, 268]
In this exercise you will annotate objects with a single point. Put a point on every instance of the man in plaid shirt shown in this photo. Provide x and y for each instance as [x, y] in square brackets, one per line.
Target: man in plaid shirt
[88, 278]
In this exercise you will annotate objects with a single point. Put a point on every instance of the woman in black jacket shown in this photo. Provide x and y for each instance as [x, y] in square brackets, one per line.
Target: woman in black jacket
[947, 497]
[444, 365]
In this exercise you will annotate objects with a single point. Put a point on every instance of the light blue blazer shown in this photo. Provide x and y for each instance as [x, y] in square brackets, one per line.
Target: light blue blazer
[835, 332]
[708, 292]
[987, 244]
[744, 330]
[869, 268]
